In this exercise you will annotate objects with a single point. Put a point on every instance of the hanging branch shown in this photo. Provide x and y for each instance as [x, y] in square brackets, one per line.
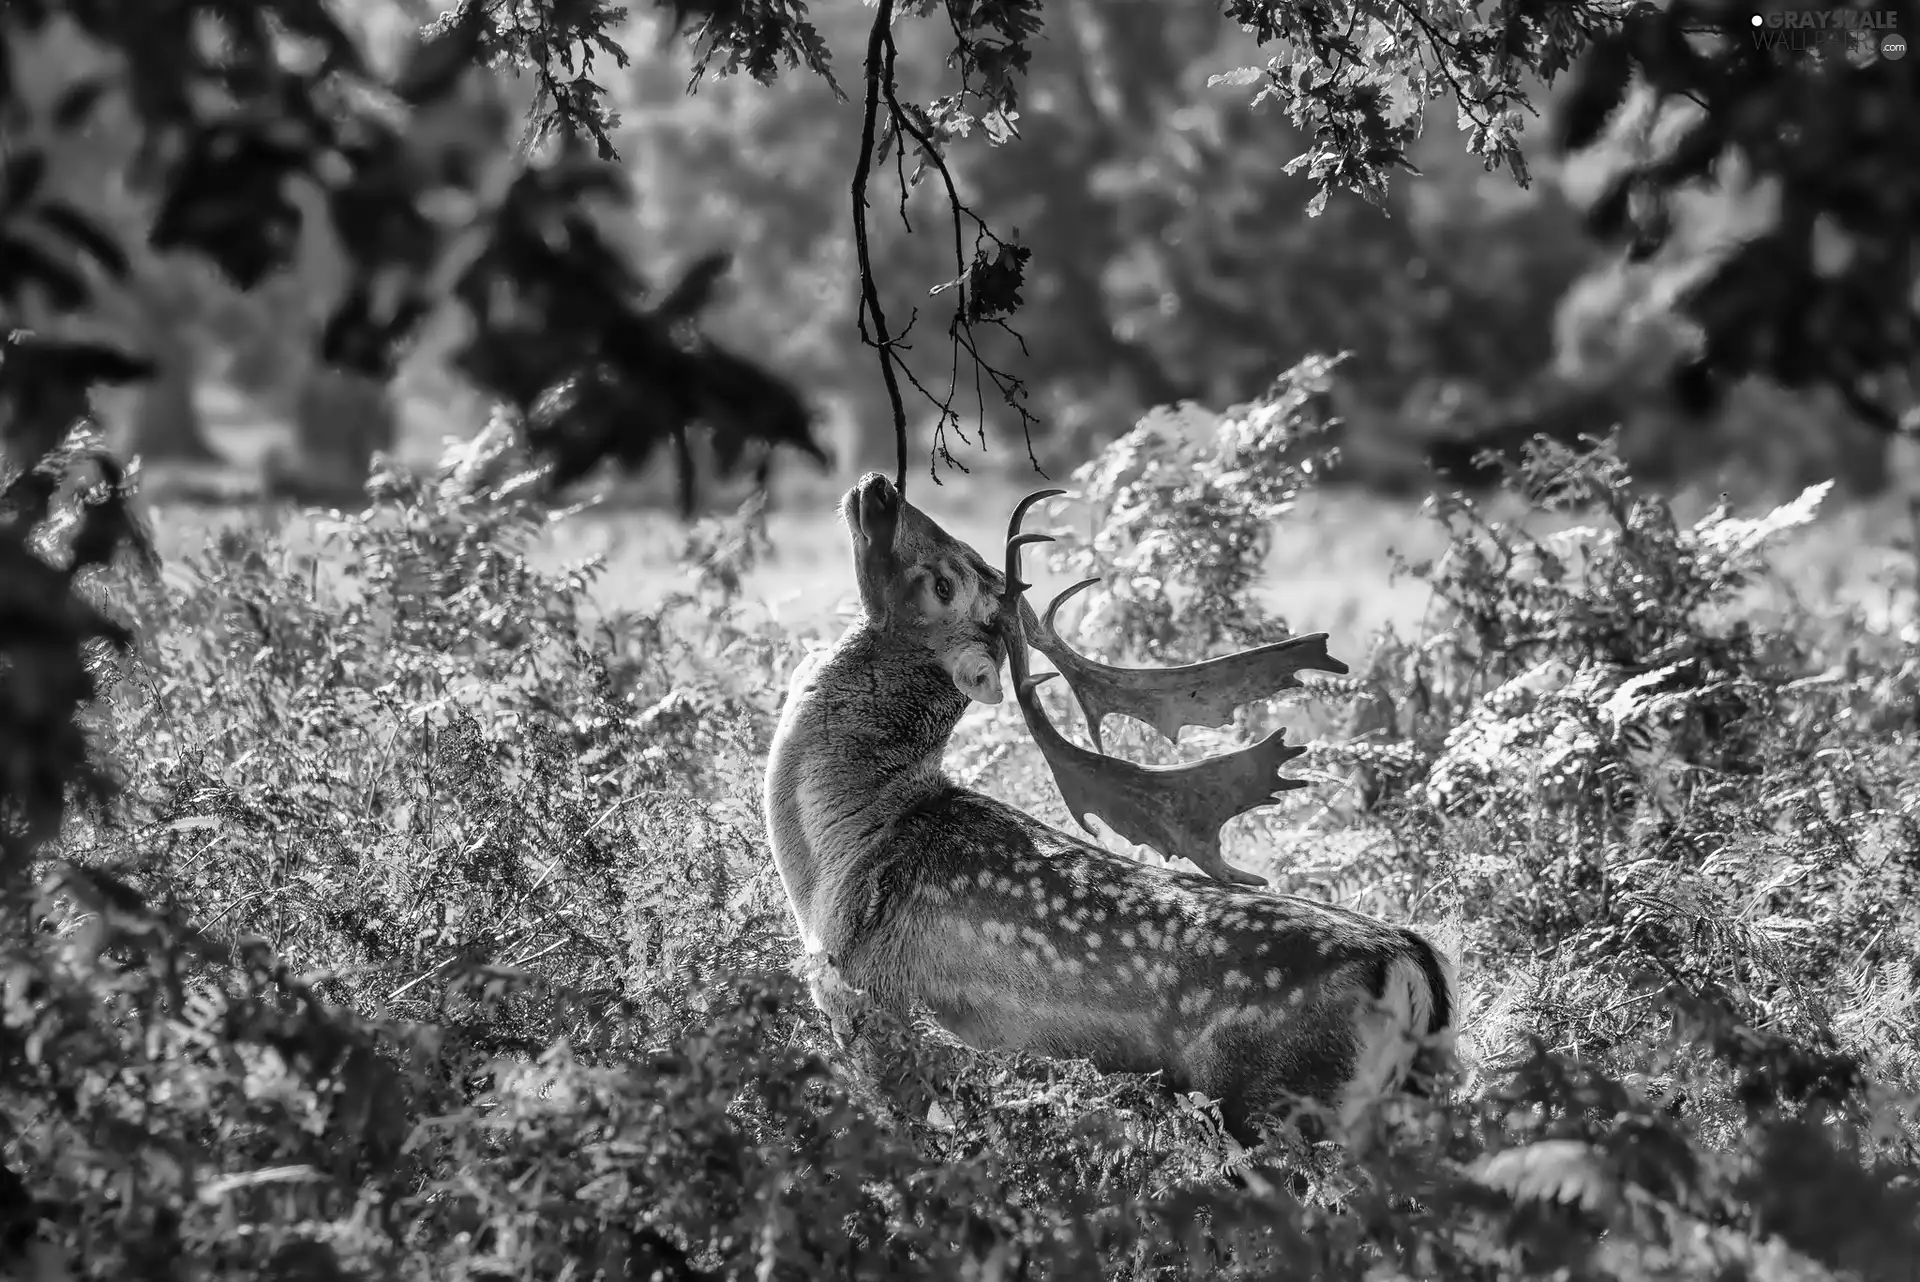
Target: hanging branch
[987, 287]
[879, 65]
[985, 291]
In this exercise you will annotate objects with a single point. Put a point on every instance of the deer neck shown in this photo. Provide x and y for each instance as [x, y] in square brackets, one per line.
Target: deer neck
[859, 743]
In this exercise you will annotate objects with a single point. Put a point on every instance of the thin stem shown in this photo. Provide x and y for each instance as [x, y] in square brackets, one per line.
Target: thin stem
[879, 66]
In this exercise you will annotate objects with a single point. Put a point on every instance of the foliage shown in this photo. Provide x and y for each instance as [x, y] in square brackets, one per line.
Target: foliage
[1796, 98]
[1174, 257]
[1143, 270]
[1184, 509]
[430, 930]
[434, 932]
[233, 121]
[1356, 80]
[51, 636]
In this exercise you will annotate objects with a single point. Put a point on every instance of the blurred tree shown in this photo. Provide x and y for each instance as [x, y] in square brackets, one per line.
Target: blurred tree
[251, 127]
[166, 418]
[1792, 110]
[341, 419]
[1353, 78]
[1179, 258]
[760, 170]
[1172, 254]
[156, 302]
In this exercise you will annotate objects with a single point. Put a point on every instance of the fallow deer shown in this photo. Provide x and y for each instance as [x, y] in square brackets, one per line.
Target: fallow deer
[1018, 935]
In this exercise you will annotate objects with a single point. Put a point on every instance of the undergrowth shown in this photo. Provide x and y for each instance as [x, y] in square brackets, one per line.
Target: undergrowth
[432, 932]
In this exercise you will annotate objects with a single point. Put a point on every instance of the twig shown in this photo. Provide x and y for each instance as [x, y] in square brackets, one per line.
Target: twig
[515, 965]
[266, 890]
[960, 328]
[879, 40]
[903, 122]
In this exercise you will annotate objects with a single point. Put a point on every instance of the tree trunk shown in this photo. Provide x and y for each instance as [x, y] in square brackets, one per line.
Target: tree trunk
[166, 422]
[340, 421]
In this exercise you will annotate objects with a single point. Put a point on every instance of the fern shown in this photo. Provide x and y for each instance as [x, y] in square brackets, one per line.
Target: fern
[437, 935]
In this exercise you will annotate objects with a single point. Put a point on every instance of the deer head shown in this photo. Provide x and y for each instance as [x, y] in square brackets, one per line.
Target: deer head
[923, 588]
[1177, 810]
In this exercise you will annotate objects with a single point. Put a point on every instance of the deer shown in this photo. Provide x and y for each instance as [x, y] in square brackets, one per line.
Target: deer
[908, 889]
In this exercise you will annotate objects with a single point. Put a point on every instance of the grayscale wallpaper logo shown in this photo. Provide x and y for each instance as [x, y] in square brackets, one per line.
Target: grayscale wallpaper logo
[1859, 35]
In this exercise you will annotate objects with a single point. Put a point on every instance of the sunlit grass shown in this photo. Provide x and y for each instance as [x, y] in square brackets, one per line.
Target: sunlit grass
[1332, 568]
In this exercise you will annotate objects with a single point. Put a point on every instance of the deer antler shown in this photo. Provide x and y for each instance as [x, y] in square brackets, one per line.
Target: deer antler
[1177, 810]
[1192, 694]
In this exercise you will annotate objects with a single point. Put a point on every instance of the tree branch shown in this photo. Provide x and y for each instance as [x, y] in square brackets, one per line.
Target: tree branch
[960, 328]
[879, 64]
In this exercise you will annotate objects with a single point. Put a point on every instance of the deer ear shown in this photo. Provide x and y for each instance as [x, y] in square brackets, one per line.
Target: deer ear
[975, 674]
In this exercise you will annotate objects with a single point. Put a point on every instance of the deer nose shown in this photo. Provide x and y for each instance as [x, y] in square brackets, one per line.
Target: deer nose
[874, 487]
[874, 500]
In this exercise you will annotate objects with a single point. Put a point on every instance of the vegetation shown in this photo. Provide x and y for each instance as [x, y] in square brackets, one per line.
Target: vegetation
[433, 932]
[388, 910]
[1177, 244]
[1824, 295]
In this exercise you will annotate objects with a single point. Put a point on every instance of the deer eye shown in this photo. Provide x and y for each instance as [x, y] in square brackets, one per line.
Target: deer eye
[943, 588]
